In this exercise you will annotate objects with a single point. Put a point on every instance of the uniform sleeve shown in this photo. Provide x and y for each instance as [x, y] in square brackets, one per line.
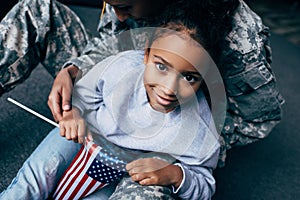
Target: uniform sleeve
[254, 102]
[99, 48]
[33, 33]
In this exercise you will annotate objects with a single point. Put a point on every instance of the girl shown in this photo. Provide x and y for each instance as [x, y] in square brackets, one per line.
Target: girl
[152, 102]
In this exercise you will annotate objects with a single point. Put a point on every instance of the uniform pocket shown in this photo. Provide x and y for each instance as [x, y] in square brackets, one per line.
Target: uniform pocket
[253, 94]
[248, 80]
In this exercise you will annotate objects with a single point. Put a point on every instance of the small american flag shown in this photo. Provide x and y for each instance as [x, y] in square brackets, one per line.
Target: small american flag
[91, 169]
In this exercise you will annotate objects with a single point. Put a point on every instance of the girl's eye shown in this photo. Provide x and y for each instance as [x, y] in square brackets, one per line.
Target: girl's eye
[189, 78]
[161, 67]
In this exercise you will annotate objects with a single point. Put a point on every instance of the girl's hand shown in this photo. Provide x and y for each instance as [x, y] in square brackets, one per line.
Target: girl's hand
[73, 127]
[153, 171]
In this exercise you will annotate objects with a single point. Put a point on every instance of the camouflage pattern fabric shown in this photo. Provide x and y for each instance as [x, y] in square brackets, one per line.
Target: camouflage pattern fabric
[46, 31]
[254, 103]
[130, 190]
[111, 31]
[37, 31]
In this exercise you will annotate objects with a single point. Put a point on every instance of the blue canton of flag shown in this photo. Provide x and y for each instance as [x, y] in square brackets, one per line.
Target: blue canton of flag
[105, 169]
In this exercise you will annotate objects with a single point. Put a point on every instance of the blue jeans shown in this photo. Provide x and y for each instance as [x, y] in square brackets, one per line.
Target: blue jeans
[41, 172]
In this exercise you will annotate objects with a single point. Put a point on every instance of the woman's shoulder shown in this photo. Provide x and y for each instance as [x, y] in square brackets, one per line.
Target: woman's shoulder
[244, 36]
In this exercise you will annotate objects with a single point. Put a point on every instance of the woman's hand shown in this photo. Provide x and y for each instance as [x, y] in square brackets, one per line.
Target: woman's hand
[59, 99]
[153, 171]
[73, 126]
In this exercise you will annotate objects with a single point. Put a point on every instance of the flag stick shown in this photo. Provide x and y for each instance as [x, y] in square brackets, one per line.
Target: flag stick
[32, 112]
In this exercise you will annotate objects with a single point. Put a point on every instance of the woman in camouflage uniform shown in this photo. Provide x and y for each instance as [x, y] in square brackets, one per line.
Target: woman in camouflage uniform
[51, 32]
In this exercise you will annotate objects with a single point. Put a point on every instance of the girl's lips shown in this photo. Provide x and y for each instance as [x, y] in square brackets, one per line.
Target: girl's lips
[162, 100]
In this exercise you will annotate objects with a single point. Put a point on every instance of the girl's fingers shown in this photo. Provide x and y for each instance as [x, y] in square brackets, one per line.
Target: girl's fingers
[135, 163]
[140, 169]
[139, 177]
[74, 132]
[136, 170]
[62, 130]
[89, 135]
[68, 134]
[146, 165]
[147, 181]
[81, 132]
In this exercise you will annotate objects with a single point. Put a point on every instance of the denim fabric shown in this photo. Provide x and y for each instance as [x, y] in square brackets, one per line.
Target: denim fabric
[42, 170]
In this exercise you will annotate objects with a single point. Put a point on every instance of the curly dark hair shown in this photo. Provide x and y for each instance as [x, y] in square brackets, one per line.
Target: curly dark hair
[206, 21]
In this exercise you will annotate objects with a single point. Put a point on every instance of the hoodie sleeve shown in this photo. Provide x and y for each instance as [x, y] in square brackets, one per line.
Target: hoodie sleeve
[198, 182]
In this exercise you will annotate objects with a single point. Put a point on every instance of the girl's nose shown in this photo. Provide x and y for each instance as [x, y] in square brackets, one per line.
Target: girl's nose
[171, 86]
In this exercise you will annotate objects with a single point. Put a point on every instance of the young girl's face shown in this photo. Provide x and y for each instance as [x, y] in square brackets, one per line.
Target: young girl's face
[169, 79]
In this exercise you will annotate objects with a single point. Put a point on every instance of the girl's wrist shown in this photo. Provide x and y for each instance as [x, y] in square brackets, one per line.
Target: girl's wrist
[178, 176]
